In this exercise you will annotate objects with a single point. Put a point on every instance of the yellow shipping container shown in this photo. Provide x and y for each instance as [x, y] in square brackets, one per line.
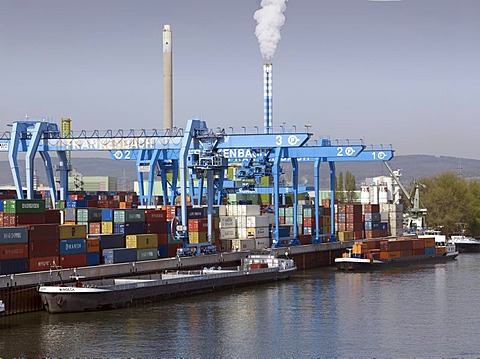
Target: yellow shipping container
[72, 231]
[197, 237]
[345, 236]
[141, 241]
[107, 227]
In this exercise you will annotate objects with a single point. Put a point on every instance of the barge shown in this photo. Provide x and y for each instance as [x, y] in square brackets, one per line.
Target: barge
[386, 253]
[124, 292]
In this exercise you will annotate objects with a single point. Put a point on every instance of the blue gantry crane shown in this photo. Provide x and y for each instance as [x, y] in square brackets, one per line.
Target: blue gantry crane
[194, 155]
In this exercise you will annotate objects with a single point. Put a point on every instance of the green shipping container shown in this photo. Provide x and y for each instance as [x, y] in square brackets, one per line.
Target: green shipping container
[128, 215]
[89, 215]
[60, 204]
[146, 254]
[24, 206]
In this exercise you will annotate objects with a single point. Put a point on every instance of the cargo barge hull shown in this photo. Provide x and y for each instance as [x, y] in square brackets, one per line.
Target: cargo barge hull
[374, 264]
[125, 292]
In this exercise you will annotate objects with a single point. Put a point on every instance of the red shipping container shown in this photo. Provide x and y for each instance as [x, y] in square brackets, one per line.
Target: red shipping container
[156, 227]
[73, 260]
[309, 222]
[13, 219]
[155, 215]
[371, 208]
[162, 238]
[355, 226]
[172, 249]
[41, 232]
[43, 263]
[43, 248]
[53, 216]
[1, 219]
[197, 224]
[13, 251]
[358, 235]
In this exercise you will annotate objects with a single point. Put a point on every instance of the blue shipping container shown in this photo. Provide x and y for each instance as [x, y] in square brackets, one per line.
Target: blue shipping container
[119, 255]
[107, 214]
[11, 266]
[162, 250]
[93, 259]
[73, 246]
[429, 250]
[108, 241]
[13, 235]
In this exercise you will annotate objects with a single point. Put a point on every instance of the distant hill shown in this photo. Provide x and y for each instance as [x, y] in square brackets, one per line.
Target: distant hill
[412, 166]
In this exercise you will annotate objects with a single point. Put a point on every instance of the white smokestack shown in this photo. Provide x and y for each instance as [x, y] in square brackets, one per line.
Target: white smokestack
[167, 78]
[269, 19]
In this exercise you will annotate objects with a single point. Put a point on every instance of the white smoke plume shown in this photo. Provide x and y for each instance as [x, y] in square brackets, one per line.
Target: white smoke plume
[269, 19]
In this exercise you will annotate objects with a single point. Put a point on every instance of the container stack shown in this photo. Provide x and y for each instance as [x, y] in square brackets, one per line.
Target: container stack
[349, 221]
[146, 245]
[228, 229]
[128, 221]
[73, 246]
[241, 212]
[374, 227]
[393, 214]
[91, 218]
[14, 250]
[43, 246]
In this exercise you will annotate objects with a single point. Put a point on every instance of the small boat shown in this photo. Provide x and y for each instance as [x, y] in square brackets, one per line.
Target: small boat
[122, 292]
[404, 251]
[465, 244]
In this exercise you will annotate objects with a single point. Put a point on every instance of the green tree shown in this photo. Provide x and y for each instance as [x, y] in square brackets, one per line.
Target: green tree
[339, 188]
[448, 200]
[350, 187]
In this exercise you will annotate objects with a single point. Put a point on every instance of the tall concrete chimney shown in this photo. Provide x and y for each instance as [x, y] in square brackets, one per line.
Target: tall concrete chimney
[167, 78]
[267, 98]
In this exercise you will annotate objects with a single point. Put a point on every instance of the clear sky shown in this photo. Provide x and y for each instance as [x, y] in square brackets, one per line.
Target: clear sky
[405, 73]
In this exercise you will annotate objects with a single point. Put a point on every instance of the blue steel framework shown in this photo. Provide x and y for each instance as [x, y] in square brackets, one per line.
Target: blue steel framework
[197, 151]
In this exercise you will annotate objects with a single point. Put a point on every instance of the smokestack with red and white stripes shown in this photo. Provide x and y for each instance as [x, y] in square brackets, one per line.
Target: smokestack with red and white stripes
[167, 78]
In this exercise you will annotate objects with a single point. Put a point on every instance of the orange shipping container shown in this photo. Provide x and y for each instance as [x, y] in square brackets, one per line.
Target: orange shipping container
[388, 255]
[418, 243]
[429, 241]
[441, 250]
[95, 228]
[93, 245]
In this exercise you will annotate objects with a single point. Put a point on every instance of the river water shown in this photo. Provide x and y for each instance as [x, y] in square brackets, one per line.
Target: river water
[423, 311]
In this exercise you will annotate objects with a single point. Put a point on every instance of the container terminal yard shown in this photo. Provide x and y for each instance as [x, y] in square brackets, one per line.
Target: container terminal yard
[57, 235]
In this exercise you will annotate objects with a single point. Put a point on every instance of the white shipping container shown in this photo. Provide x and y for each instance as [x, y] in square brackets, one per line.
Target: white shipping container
[227, 222]
[241, 221]
[248, 210]
[228, 233]
[261, 243]
[222, 210]
[257, 221]
[231, 210]
[257, 232]
[243, 244]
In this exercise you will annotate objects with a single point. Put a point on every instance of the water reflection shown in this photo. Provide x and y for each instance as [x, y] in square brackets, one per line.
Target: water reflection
[425, 312]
